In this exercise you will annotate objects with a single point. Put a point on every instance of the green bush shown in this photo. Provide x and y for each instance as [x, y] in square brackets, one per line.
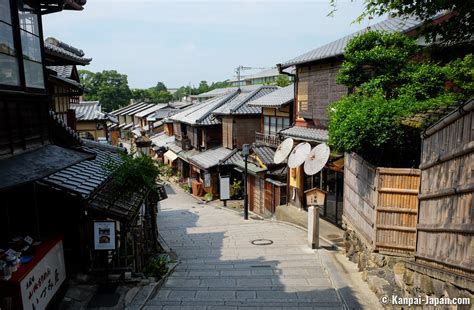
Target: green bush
[388, 87]
[208, 196]
[157, 266]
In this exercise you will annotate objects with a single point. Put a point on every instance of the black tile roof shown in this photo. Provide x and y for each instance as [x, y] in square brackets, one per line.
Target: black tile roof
[86, 177]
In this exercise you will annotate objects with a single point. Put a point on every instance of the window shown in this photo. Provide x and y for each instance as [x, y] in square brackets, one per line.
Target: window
[28, 34]
[9, 69]
[303, 96]
[31, 47]
[274, 124]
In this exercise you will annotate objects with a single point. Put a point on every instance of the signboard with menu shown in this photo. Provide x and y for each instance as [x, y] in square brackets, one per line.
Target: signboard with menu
[43, 281]
[104, 235]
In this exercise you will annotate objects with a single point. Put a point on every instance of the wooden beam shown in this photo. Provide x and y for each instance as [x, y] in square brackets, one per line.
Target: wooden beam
[398, 191]
[397, 228]
[397, 210]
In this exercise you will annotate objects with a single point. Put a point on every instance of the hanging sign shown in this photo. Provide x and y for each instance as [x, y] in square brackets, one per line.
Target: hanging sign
[224, 187]
[40, 285]
[104, 235]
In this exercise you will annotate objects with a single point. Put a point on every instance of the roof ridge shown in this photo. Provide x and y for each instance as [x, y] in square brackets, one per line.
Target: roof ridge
[226, 98]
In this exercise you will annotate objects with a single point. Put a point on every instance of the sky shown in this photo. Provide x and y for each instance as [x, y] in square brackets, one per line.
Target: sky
[183, 42]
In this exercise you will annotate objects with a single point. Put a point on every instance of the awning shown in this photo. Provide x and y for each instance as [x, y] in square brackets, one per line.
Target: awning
[37, 164]
[127, 126]
[137, 132]
[170, 155]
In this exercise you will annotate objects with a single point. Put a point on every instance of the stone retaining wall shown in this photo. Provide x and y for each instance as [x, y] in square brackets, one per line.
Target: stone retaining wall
[389, 275]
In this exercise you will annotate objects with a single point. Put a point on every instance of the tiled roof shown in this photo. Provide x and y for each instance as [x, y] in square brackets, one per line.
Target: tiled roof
[36, 164]
[336, 48]
[265, 154]
[175, 148]
[59, 49]
[275, 99]
[150, 110]
[89, 111]
[210, 158]
[86, 177]
[161, 139]
[131, 107]
[232, 158]
[201, 113]
[68, 81]
[307, 134]
[226, 90]
[240, 103]
[164, 113]
[235, 158]
[63, 71]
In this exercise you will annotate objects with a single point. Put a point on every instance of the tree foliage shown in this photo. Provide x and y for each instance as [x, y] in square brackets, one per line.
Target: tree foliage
[389, 84]
[156, 94]
[132, 173]
[109, 87]
[202, 88]
[282, 81]
[458, 28]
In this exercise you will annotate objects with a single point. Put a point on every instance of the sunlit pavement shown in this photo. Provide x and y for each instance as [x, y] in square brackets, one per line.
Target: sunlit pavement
[220, 268]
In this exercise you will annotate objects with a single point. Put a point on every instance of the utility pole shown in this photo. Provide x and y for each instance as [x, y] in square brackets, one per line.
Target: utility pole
[245, 153]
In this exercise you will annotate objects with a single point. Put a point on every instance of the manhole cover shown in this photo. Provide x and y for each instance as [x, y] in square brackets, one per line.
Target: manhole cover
[262, 242]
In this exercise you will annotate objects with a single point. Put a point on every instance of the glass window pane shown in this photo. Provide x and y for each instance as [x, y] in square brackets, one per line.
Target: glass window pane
[31, 46]
[286, 122]
[273, 125]
[5, 11]
[6, 39]
[34, 74]
[266, 125]
[9, 71]
[28, 18]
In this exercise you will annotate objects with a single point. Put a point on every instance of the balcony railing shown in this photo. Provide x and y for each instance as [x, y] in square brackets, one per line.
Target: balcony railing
[267, 139]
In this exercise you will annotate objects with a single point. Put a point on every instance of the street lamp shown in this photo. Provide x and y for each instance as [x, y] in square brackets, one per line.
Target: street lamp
[245, 153]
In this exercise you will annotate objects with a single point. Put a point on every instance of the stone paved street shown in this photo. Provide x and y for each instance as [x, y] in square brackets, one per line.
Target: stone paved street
[219, 267]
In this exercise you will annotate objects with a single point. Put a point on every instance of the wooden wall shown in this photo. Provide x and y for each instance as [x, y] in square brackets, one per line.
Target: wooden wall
[244, 130]
[316, 89]
[446, 221]
[381, 204]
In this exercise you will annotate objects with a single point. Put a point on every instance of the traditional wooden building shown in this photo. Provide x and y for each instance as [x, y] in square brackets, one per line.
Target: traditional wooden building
[91, 122]
[31, 146]
[197, 130]
[61, 61]
[240, 120]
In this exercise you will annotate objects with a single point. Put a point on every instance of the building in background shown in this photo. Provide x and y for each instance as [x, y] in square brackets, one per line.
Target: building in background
[91, 122]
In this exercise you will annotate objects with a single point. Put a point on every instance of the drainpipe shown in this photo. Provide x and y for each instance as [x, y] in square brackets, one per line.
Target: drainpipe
[295, 79]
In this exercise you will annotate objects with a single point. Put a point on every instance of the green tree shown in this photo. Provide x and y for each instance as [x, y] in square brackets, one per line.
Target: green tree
[282, 81]
[458, 28]
[160, 86]
[109, 87]
[390, 86]
[203, 87]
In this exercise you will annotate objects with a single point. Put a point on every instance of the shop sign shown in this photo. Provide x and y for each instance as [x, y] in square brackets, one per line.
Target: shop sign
[104, 235]
[41, 284]
[224, 188]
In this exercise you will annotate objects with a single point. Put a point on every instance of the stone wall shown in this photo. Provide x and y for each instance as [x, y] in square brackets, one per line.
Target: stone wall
[389, 275]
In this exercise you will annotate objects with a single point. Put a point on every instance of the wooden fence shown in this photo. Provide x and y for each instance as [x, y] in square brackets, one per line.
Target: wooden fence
[446, 221]
[381, 204]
